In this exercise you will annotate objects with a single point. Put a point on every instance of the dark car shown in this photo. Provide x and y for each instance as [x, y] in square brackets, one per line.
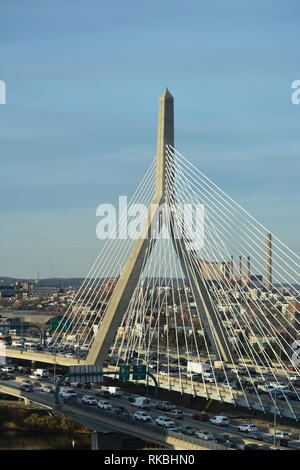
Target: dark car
[24, 370]
[277, 394]
[293, 395]
[198, 378]
[165, 406]
[103, 394]
[4, 376]
[188, 430]
[120, 410]
[153, 356]
[56, 379]
[236, 441]
[221, 438]
[201, 416]
[86, 386]
[26, 388]
[242, 384]
[232, 445]
[252, 447]
[256, 435]
[277, 441]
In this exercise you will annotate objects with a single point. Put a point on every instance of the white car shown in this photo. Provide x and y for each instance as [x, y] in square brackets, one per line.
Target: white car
[239, 370]
[27, 382]
[247, 428]
[89, 400]
[47, 389]
[267, 388]
[165, 422]
[206, 435]
[8, 368]
[210, 380]
[282, 435]
[142, 416]
[228, 385]
[36, 377]
[279, 385]
[104, 405]
[178, 414]
[294, 377]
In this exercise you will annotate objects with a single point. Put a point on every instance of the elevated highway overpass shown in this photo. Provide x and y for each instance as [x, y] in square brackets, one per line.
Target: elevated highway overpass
[264, 403]
[104, 421]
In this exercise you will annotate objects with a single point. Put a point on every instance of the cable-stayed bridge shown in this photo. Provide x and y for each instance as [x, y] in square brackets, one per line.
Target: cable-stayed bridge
[195, 288]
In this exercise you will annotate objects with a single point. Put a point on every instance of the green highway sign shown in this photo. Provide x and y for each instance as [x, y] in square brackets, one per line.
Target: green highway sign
[139, 372]
[124, 373]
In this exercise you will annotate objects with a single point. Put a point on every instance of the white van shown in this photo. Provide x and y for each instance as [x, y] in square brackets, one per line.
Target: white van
[115, 391]
[17, 343]
[141, 402]
[220, 420]
[41, 372]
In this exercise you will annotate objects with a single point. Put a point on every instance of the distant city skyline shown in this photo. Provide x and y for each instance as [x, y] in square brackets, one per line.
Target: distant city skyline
[82, 89]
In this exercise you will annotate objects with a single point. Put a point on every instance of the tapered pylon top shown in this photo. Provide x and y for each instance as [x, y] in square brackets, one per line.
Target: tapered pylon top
[165, 95]
[165, 136]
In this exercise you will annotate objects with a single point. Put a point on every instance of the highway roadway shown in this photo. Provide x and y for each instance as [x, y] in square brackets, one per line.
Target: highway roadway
[265, 403]
[187, 419]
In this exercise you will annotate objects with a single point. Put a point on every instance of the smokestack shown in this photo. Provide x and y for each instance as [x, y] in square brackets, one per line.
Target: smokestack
[231, 268]
[248, 270]
[225, 270]
[268, 261]
[240, 270]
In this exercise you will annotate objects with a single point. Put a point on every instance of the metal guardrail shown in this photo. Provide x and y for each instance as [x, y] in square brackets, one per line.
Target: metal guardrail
[146, 430]
[235, 397]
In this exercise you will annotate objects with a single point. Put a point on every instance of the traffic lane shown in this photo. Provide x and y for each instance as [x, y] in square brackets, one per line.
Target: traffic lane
[187, 420]
[232, 428]
[118, 401]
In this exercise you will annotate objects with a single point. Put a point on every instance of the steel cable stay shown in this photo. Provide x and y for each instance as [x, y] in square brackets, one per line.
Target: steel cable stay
[273, 287]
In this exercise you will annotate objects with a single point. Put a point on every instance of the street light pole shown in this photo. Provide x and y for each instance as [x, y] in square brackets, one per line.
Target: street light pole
[54, 371]
[275, 412]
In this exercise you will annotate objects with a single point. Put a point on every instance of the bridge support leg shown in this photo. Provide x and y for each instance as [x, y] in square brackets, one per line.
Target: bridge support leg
[186, 399]
[114, 441]
[26, 401]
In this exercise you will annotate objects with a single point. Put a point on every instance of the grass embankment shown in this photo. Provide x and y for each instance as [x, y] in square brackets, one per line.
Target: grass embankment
[41, 421]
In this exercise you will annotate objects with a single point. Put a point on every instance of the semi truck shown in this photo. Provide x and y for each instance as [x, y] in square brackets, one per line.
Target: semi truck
[198, 367]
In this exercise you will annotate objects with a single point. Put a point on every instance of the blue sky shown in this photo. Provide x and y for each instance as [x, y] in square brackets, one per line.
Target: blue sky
[79, 127]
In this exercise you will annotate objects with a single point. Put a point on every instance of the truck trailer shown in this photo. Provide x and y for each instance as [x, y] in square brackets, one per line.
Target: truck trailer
[198, 367]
